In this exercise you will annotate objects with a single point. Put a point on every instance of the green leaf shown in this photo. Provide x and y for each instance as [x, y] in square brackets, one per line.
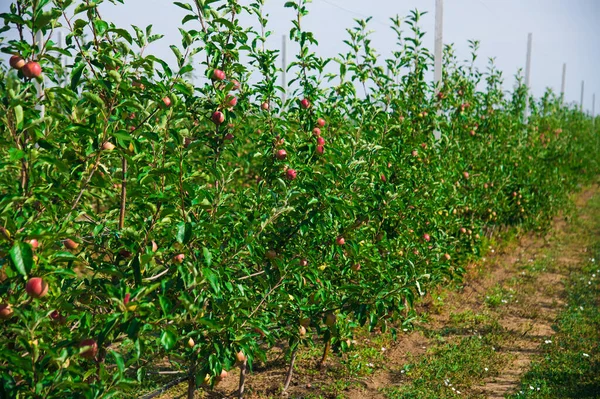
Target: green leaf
[137, 273]
[207, 256]
[19, 116]
[185, 6]
[212, 279]
[184, 232]
[76, 76]
[168, 339]
[22, 257]
[101, 26]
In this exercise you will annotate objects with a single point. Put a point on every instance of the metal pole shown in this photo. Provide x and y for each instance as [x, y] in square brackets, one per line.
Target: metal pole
[581, 100]
[283, 66]
[564, 82]
[438, 53]
[528, 73]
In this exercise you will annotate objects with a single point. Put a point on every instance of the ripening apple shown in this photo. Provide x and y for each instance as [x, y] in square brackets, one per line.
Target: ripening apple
[154, 246]
[320, 140]
[463, 230]
[426, 237]
[340, 240]
[291, 174]
[221, 376]
[281, 154]
[320, 149]
[36, 287]
[330, 319]
[304, 262]
[70, 244]
[414, 153]
[240, 358]
[16, 62]
[5, 311]
[321, 122]
[264, 106]
[302, 331]
[271, 254]
[31, 70]
[91, 348]
[305, 103]
[218, 74]
[447, 256]
[236, 84]
[178, 258]
[228, 137]
[138, 84]
[218, 117]
[34, 243]
[108, 146]
[466, 175]
[191, 342]
[356, 267]
[167, 101]
[316, 131]
[472, 132]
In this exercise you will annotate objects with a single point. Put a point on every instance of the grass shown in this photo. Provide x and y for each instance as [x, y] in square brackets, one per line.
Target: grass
[569, 366]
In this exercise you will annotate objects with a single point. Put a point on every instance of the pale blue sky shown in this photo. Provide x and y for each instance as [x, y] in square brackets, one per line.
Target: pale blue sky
[563, 31]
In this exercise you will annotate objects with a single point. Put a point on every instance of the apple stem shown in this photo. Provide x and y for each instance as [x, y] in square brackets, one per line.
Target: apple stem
[243, 368]
[288, 377]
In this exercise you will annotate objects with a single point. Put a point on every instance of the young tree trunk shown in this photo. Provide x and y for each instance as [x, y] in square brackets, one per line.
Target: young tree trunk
[325, 353]
[243, 368]
[288, 377]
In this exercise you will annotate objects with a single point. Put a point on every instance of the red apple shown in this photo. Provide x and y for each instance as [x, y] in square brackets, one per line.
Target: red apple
[218, 74]
[414, 153]
[426, 237]
[218, 117]
[320, 140]
[228, 137]
[305, 103]
[316, 131]
[383, 178]
[320, 149]
[16, 62]
[472, 132]
[91, 348]
[127, 298]
[356, 267]
[463, 230]
[264, 106]
[36, 287]
[447, 256]
[340, 240]
[290, 174]
[466, 175]
[34, 243]
[179, 258]
[321, 122]
[231, 101]
[281, 154]
[304, 262]
[167, 101]
[5, 311]
[236, 84]
[31, 70]
[70, 244]
[271, 254]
